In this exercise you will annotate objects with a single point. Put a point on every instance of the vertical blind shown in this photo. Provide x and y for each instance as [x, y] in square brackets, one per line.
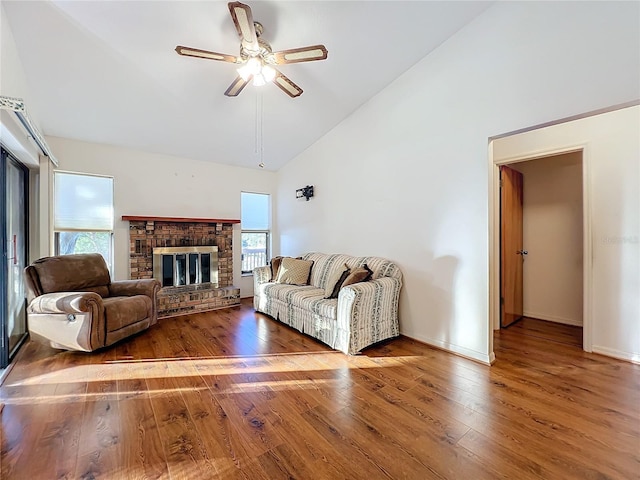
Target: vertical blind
[255, 211]
[82, 202]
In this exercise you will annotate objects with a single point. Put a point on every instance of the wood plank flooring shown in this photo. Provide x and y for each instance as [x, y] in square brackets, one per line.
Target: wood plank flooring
[550, 331]
[233, 394]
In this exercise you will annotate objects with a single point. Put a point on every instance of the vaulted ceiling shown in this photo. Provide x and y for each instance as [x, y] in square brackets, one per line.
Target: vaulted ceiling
[107, 72]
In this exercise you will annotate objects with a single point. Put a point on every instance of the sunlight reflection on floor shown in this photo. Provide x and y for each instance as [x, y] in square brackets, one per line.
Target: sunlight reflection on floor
[172, 367]
[239, 387]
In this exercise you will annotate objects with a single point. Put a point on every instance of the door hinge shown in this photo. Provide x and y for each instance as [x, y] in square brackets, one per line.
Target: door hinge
[501, 183]
[501, 300]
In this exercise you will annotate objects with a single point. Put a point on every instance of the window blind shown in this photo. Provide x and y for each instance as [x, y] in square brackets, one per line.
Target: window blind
[255, 211]
[82, 202]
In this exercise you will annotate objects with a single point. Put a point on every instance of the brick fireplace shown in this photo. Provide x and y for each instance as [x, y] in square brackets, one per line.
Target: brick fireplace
[162, 233]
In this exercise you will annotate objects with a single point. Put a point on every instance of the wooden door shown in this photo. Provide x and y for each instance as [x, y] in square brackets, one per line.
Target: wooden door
[511, 249]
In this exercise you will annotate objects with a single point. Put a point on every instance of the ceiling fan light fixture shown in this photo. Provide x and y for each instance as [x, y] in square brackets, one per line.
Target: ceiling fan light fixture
[259, 80]
[245, 72]
[251, 68]
[269, 73]
[254, 68]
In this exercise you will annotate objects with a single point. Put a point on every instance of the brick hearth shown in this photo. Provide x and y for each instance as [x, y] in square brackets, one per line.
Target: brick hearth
[146, 233]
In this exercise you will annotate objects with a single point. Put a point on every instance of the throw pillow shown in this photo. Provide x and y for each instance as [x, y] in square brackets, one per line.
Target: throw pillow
[334, 282]
[294, 272]
[275, 265]
[360, 274]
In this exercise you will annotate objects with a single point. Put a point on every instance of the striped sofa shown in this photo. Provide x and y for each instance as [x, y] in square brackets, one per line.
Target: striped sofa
[363, 314]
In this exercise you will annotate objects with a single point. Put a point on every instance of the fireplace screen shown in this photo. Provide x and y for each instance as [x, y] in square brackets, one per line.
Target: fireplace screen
[177, 266]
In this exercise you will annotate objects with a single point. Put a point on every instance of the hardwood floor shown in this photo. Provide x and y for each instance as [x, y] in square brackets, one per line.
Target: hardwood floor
[549, 331]
[234, 394]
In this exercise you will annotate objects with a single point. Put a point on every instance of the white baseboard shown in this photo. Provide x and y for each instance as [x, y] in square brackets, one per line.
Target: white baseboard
[553, 318]
[611, 352]
[492, 358]
[484, 358]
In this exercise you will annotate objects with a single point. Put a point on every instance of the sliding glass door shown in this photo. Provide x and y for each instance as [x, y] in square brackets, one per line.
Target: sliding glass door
[14, 235]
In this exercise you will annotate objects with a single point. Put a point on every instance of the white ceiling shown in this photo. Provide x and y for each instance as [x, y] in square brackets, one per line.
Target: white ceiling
[107, 72]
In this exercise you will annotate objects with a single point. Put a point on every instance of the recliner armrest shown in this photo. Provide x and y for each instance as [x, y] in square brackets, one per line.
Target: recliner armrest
[66, 302]
[69, 320]
[128, 288]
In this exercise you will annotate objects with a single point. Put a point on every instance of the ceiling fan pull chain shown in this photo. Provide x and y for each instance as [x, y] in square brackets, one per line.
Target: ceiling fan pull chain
[259, 147]
[256, 148]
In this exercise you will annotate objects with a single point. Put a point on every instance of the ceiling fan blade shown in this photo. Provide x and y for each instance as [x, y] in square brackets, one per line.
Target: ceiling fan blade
[196, 52]
[286, 85]
[236, 87]
[243, 20]
[303, 54]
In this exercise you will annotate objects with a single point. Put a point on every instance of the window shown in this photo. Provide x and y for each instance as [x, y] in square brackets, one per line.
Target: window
[255, 230]
[83, 214]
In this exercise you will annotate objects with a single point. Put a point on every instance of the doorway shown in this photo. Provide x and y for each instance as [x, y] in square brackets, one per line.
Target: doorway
[14, 209]
[541, 244]
[559, 239]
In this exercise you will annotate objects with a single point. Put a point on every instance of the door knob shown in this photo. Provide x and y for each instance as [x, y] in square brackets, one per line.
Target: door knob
[522, 252]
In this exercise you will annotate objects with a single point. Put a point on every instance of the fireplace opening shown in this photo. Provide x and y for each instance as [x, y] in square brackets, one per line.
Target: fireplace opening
[180, 266]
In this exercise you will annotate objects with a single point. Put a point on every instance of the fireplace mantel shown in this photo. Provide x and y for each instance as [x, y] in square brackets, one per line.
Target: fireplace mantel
[139, 218]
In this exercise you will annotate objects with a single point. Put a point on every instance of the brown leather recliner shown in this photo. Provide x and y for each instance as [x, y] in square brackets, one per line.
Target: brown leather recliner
[74, 305]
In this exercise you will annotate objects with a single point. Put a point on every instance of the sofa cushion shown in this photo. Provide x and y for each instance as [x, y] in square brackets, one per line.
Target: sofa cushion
[290, 293]
[323, 262]
[324, 267]
[324, 307]
[306, 297]
[122, 311]
[294, 272]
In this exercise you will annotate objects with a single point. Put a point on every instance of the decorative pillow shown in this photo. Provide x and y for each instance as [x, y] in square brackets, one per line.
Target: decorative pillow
[334, 282]
[360, 274]
[294, 271]
[275, 265]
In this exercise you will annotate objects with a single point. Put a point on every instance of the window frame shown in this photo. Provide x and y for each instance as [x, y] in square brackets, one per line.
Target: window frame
[56, 244]
[267, 233]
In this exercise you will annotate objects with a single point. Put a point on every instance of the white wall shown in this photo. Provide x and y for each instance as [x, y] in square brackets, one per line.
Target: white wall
[552, 234]
[160, 185]
[13, 83]
[406, 175]
[612, 155]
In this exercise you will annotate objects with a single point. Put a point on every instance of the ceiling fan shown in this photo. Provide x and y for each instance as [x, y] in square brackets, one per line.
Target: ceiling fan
[256, 58]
